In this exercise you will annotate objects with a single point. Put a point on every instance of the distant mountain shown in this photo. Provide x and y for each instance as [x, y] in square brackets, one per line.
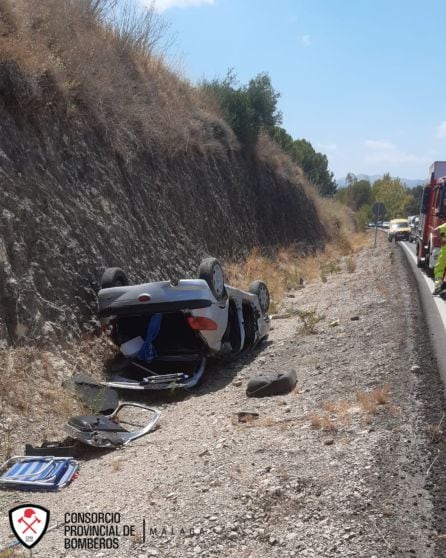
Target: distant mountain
[409, 182]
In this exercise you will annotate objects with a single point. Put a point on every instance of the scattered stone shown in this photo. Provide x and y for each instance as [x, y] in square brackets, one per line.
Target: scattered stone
[354, 318]
[245, 417]
[328, 441]
[233, 535]
[415, 369]
[237, 383]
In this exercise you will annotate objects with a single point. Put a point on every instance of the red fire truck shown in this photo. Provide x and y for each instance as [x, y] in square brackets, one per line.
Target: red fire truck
[432, 214]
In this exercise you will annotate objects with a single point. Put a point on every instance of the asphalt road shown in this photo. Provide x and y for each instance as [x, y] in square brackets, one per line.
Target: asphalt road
[434, 308]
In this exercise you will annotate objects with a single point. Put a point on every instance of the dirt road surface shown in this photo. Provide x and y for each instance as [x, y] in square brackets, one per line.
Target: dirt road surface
[352, 463]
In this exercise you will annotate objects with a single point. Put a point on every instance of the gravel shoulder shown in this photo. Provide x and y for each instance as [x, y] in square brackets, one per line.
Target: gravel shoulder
[349, 464]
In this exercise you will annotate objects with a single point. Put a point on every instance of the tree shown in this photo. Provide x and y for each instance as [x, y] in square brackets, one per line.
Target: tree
[283, 138]
[263, 101]
[315, 167]
[415, 203]
[247, 109]
[393, 194]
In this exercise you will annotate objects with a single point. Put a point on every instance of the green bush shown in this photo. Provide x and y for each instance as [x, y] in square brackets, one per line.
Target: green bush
[247, 109]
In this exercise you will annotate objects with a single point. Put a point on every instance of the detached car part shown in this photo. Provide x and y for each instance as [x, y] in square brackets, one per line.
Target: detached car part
[279, 383]
[53, 449]
[104, 431]
[34, 473]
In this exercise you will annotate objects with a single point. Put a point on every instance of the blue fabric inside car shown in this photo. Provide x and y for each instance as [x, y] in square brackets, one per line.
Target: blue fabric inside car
[147, 353]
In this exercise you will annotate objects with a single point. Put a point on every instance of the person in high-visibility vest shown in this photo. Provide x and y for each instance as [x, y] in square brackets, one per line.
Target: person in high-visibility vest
[441, 262]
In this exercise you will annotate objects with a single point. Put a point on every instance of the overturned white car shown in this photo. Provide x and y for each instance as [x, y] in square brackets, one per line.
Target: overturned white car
[167, 331]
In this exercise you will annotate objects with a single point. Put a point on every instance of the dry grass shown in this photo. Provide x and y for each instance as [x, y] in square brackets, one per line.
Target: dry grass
[381, 395]
[350, 265]
[11, 553]
[31, 388]
[323, 422]
[288, 269]
[337, 414]
[435, 431]
[308, 321]
[340, 407]
[370, 401]
[117, 464]
[105, 67]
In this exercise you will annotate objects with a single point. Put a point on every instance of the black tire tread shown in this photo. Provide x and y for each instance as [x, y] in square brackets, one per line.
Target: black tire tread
[205, 272]
[254, 288]
[111, 276]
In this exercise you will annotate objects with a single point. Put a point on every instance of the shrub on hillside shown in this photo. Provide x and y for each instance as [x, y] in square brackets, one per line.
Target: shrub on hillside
[248, 109]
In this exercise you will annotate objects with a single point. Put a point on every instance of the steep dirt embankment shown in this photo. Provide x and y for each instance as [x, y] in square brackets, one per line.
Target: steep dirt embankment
[73, 201]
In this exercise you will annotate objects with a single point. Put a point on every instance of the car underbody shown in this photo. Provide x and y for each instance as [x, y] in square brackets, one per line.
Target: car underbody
[168, 332]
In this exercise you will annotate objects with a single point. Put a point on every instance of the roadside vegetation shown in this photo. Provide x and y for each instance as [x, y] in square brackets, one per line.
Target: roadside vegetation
[398, 199]
[290, 268]
[252, 109]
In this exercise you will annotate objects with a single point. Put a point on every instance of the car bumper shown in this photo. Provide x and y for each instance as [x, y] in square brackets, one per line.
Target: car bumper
[150, 381]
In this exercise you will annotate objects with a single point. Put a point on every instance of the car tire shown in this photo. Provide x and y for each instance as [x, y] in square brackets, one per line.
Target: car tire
[261, 290]
[114, 277]
[211, 271]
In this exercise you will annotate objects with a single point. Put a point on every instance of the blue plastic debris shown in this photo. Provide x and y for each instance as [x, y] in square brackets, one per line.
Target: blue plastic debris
[37, 473]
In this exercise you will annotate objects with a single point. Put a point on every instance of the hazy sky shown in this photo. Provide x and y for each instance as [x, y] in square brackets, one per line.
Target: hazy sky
[363, 80]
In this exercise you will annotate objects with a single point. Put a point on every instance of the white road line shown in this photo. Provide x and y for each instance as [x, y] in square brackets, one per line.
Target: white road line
[439, 303]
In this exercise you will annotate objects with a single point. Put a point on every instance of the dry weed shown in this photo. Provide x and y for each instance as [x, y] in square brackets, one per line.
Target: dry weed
[137, 538]
[381, 395]
[309, 319]
[367, 402]
[323, 422]
[267, 421]
[350, 265]
[340, 407]
[370, 401]
[289, 269]
[11, 553]
[283, 473]
[435, 431]
[329, 267]
[117, 464]
[112, 73]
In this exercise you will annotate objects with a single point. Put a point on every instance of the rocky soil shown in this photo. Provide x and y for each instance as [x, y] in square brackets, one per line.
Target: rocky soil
[349, 464]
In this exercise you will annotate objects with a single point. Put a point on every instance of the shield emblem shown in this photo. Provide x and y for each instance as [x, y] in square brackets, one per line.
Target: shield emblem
[29, 523]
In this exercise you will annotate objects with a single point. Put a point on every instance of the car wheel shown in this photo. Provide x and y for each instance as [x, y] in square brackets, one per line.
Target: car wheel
[261, 290]
[113, 277]
[210, 270]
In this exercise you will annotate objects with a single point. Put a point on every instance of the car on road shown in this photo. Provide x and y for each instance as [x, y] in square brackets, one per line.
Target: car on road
[414, 221]
[168, 330]
[398, 230]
